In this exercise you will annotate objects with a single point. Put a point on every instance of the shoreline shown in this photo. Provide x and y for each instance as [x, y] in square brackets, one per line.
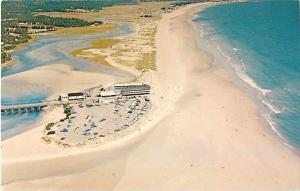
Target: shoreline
[147, 123]
[8, 64]
[184, 132]
[38, 84]
[63, 73]
[18, 48]
[233, 66]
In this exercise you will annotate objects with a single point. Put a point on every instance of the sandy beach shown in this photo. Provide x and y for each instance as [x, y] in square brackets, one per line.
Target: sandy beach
[201, 133]
[57, 78]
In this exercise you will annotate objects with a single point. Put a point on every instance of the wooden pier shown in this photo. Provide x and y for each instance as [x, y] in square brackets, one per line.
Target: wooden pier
[23, 108]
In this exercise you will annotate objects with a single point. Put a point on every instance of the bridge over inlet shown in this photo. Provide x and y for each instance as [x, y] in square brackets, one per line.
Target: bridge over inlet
[31, 107]
[22, 108]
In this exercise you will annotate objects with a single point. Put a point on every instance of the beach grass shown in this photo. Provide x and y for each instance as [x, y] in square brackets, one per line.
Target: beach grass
[86, 30]
[118, 53]
[90, 56]
[126, 62]
[98, 59]
[77, 52]
[142, 55]
[147, 62]
[46, 139]
[96, 44]
[104, 43]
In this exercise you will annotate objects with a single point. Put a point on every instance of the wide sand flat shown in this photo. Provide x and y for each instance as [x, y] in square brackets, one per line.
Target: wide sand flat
[56, 79]
[203, 134]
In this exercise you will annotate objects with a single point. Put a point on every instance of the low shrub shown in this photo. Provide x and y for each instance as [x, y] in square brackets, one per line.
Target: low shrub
[49, 125]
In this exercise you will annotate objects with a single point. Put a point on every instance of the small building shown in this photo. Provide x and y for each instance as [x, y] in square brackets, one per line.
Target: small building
[108, 93]
[132, 89]
[63, 97]
[76, 96]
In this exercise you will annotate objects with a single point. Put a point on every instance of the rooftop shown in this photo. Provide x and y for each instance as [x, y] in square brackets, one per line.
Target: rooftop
[75, 94]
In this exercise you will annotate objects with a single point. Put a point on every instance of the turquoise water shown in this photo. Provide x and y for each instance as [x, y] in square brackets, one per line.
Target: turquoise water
[262, 40]
[46, 50]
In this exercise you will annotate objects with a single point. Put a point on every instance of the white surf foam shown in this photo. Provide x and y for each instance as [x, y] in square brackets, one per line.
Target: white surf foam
[240, 70]
[272, 124]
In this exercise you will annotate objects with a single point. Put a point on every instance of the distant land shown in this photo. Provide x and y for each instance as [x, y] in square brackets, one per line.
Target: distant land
[20, 22]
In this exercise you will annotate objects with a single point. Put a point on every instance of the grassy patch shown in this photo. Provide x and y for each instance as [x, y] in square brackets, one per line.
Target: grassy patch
[104, 43]
[77, 52]
[117, 53]
[147, 62]
[85, 30]
[49, 125]
[100, 44]
[46, 140]
[98, 59]
[23, 45]
[126, 63]
[90, 56]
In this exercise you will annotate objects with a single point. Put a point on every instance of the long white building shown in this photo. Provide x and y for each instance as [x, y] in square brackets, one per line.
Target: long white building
[76, 96]
[132, 89]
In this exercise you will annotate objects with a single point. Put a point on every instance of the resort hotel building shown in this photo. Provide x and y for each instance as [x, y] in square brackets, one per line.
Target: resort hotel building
[132, 89]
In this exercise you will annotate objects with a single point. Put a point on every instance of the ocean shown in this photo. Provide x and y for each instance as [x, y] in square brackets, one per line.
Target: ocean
[260, 41]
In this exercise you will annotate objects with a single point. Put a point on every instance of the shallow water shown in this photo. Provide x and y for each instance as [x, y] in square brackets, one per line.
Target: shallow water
[50, 49]
[47, 50]
[261, 41]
